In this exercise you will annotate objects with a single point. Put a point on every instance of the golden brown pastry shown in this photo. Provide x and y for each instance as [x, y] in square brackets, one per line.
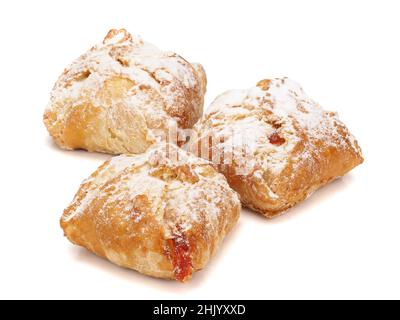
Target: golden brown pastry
[123, 95]
[274, 144]
[163, 213]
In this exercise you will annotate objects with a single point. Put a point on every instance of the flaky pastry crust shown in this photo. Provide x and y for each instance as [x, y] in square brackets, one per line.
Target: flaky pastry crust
[163, 213]
[123, 95]
[274, 144]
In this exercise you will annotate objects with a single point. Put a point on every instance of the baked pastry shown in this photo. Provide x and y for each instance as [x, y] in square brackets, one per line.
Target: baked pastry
[123, 95]
[163, 213]
[274, 144]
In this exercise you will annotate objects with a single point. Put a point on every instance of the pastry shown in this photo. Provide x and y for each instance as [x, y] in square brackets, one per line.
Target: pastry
[274, 144]
[123, 95]
[163, 213]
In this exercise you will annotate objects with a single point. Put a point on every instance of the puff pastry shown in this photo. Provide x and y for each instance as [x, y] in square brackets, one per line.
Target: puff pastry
[274, 144]
[163, 213]
[123, 95]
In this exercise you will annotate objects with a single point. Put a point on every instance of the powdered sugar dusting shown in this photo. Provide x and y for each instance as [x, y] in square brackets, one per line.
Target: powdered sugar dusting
[242, 122]
[91, 186]
[180, 191]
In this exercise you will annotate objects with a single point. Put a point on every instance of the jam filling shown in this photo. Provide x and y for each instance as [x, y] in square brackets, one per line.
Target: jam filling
[276, 139]
[181, 258]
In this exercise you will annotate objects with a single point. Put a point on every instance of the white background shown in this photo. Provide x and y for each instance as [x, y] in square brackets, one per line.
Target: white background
[341, 243]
